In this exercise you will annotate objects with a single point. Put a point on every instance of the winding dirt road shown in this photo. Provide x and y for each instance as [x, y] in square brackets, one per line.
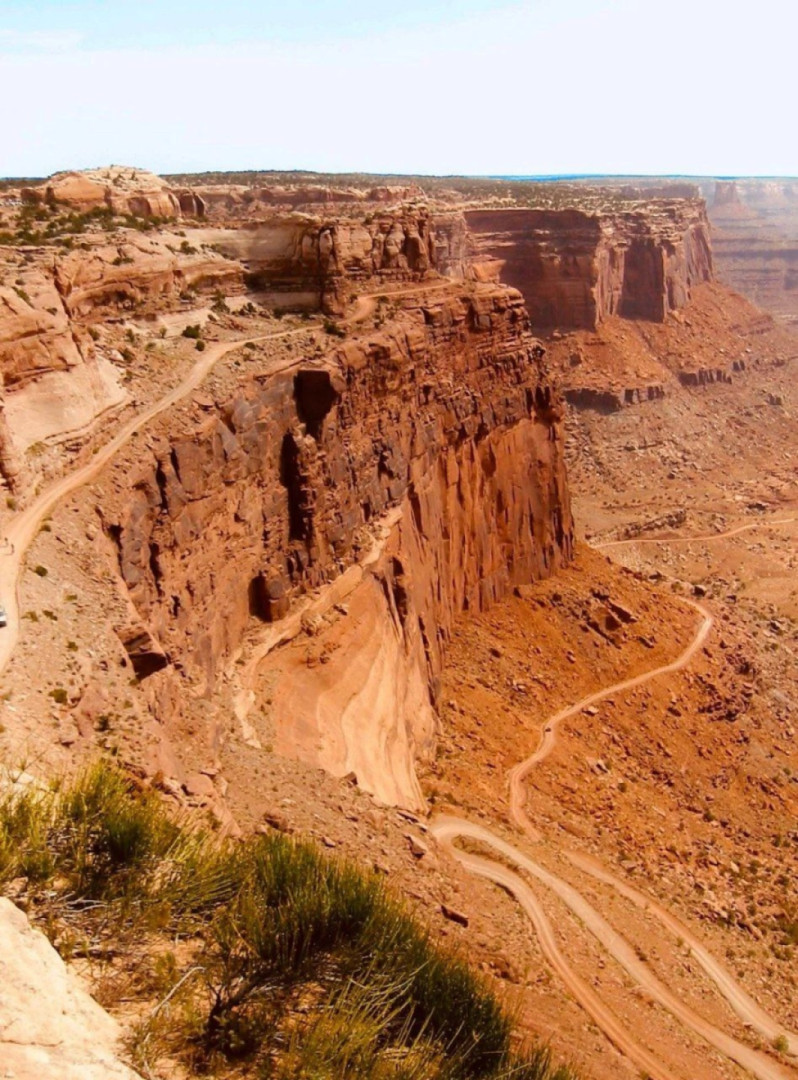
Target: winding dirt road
[448, 829]
[743, 1004]
[701, 538]
[519, 773]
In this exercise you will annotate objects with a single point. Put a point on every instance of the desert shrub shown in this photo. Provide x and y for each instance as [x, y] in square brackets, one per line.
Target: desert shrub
[193, 332]
[332, 328]
[108, 835]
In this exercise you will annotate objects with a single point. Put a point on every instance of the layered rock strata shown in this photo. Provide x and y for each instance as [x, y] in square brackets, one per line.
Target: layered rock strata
[232, 201]
[137, 270]
[575, 268]
[755, 236]
[324, 260]
[448, 421]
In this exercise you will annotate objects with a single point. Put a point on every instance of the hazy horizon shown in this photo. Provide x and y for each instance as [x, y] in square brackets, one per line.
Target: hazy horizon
[536, 88]
[539, 178]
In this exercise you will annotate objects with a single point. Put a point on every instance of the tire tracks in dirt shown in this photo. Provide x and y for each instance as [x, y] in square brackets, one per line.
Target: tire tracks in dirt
[447, 829]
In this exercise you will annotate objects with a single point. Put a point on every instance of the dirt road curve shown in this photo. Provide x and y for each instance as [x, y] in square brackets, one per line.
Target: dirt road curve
[448, 829]
[742, 1003]
[701, 538]
[548, 737]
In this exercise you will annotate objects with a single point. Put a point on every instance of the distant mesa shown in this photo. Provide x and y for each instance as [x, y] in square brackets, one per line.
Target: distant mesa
[726, 194]
[122, 189]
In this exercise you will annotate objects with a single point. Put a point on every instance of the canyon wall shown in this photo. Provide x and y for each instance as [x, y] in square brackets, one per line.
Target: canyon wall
[448, 425]
[754, 231]
[576, 268]
[304, 261]
[136, 271]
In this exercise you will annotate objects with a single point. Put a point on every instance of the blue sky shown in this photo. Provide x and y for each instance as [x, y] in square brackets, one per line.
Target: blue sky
[529, 87]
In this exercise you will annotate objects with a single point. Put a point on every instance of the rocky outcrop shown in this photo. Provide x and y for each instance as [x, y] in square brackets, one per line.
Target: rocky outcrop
[605, 400]
[135, 271]
[35, 332]
[50, 1028]
[576, 268]
[324, 260]
[122, 189]
[233, 201]
[449, 419]
[191, 203]
[145, 653]
[704, 376]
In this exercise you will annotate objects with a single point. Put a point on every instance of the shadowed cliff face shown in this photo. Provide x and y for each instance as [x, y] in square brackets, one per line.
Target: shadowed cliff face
[576, 268]
[448, 424]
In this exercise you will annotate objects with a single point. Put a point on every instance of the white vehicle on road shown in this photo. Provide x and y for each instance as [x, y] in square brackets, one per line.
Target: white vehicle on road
[3, 616]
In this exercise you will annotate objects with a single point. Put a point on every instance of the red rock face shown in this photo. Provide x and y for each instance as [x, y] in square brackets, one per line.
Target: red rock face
[326, 258]
[123, 190]
[449, 419]
[576, 268]
[138, 270]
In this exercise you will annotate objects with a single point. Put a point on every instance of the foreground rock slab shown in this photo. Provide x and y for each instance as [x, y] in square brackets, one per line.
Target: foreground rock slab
[50, 1028]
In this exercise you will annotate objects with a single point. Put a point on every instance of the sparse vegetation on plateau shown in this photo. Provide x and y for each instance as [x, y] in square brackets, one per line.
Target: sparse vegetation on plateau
[270, 955]
[39, 223]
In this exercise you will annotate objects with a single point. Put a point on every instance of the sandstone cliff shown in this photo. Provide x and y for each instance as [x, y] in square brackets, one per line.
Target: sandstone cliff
[576, 268]
[449, 424]
[321, 260]
[135, 270]
[119, 188]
